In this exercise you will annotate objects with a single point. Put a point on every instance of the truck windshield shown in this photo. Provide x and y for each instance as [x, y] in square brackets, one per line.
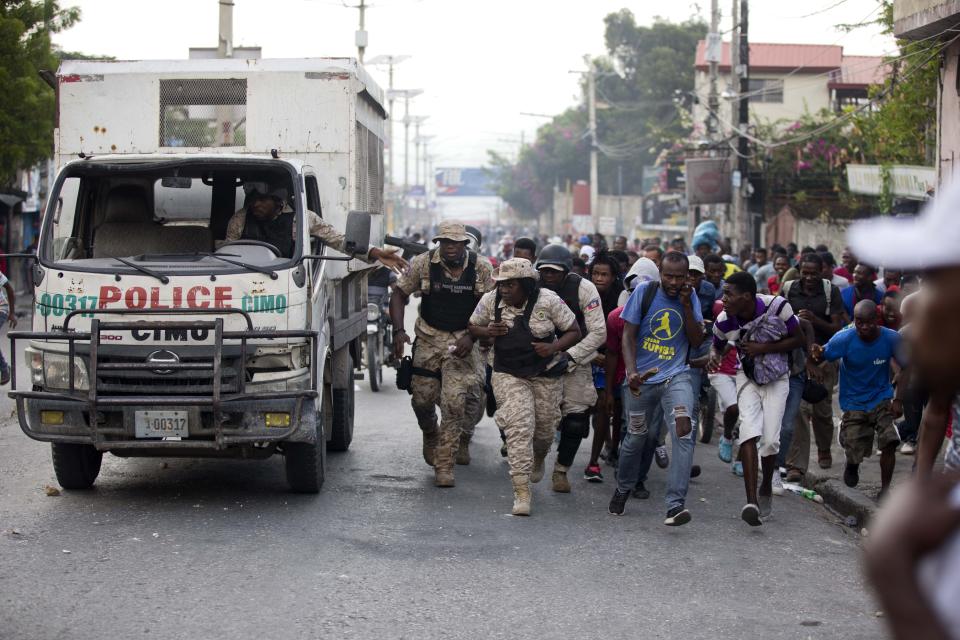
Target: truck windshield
[173, 218]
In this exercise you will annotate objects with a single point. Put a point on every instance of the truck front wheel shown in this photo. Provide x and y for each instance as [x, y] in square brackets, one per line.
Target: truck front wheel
[76, 465]
[306, 463]
[341, 431]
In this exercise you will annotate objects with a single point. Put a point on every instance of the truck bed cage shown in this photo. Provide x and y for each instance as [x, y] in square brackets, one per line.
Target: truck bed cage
[217, 399]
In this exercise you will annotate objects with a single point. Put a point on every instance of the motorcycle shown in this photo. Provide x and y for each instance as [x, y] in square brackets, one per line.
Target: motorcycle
[379, 348]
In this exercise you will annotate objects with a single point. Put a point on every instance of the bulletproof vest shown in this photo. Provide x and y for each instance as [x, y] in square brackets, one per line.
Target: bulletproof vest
[514, 352]
[278, 232]
[448, 304]
[570, 293]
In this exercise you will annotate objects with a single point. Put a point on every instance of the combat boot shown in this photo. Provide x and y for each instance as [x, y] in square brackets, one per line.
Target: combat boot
[560, 482]
[538, 466]
[430, 439]
[463, 453]
[444, 478]
[521, 495]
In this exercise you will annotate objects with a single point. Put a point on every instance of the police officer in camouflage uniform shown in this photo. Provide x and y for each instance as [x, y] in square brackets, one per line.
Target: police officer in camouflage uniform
[450, 280]
[476, 397]
[524, 322]
[268, 217]
[579, 395]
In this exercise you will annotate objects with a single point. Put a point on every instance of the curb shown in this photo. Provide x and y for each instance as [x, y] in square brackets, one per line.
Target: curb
[841, 498]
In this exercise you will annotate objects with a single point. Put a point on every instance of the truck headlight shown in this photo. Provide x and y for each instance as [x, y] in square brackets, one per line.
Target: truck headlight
[373, 312]
[56, 372]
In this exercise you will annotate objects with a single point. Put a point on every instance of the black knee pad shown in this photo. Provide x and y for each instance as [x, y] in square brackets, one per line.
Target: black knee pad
[575, 425]
[426, 416]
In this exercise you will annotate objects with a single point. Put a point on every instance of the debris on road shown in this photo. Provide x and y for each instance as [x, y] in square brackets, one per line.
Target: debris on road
[51, 491]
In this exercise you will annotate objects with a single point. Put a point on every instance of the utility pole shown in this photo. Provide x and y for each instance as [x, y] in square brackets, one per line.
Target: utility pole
[714, 49]
[391, 61]
[224, 113]
[743, 145]
[592, 115]
[361, 36]
[225, 39]
[417, 120]
[406, 94]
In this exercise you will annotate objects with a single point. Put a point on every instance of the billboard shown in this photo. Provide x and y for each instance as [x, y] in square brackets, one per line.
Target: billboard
[708, 181]
[469, 181]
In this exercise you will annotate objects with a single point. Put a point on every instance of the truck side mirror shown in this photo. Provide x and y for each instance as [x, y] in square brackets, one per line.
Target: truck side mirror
[357, 233]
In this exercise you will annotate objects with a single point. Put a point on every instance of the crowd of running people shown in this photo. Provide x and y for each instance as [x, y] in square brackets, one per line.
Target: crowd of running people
[637, 343]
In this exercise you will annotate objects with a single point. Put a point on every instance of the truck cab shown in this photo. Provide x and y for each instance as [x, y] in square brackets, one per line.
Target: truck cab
[164, 326]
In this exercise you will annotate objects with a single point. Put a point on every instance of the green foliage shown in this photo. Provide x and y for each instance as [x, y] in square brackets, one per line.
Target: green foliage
[646, 77]
[26, 101]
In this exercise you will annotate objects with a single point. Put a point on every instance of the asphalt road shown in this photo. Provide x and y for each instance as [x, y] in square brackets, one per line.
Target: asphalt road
[200, 549]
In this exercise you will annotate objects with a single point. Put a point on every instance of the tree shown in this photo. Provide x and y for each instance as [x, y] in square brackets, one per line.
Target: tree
[26, 102]
[643, 82]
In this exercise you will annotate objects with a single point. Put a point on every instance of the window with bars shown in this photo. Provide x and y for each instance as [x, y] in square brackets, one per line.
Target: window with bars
[203, 112]
[764, 90]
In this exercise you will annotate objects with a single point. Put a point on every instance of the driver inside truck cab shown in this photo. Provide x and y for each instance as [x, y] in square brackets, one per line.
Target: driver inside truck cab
[268, 217]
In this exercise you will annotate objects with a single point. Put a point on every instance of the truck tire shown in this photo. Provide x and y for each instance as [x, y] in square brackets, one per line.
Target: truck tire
[375, 361]
[306, 462]
[342, 429]
[76, 465]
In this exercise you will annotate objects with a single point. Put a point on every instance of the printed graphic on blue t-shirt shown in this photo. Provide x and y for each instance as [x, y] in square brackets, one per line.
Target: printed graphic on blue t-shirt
[661, 338]
[864, 367]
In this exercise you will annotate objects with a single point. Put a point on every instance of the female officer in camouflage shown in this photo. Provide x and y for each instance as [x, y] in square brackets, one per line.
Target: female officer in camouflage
[523, 321]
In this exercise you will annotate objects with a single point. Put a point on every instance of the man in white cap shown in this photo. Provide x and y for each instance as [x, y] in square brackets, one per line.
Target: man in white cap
[451, 280]
[921, 517]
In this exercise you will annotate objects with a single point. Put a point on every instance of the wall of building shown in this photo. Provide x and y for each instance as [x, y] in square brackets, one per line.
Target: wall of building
[948, 133]
[623, 211]
[802, 93]
[915, 19]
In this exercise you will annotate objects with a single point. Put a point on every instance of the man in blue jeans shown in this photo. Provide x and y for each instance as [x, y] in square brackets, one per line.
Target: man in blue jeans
[660, 329]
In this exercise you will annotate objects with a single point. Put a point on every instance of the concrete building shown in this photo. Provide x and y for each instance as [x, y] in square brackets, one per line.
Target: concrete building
[788, 80]
[937, 22]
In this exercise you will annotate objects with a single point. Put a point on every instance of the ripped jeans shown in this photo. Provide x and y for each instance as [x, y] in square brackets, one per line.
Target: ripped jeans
[675, 399]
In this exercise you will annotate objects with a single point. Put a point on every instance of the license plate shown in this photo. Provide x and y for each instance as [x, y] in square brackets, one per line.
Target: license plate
[161, 424]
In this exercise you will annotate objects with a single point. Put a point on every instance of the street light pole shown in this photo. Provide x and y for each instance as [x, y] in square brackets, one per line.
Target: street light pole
[391, 61]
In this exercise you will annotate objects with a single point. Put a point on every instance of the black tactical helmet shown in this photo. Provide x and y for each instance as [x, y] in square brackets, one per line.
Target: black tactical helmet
[555, 254]
[474, 233]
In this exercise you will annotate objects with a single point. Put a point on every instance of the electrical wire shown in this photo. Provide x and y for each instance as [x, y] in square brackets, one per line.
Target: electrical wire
[822, 53]
[819, 11]
[836, 121]
[813, 80]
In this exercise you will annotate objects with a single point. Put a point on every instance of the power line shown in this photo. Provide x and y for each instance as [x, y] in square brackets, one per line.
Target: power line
[819, 11]
[821, 54]
[840, 119]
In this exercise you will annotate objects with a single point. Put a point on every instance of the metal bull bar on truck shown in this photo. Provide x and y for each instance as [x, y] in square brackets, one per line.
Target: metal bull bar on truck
[216, 400]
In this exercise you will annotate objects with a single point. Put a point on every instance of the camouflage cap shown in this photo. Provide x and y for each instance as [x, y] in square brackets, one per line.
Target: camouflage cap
[451, 230]
[515, 268]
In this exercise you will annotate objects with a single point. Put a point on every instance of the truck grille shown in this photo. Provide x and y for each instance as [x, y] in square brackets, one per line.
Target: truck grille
[179, 383]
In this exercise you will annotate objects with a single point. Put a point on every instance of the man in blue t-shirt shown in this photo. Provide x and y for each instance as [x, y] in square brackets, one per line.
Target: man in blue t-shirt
[656, 341]
[866, 353]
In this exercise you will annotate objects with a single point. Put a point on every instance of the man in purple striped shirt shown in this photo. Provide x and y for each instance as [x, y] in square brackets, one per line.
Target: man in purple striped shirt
[764, 330]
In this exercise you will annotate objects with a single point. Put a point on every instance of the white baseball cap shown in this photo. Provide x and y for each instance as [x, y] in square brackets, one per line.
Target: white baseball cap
[696, 264]
[929, 240]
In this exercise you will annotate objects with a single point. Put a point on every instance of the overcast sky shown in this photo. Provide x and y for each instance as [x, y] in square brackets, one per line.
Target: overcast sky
[480, 63]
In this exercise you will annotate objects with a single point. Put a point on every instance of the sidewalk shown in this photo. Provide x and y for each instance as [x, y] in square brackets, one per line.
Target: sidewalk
[859, 502]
